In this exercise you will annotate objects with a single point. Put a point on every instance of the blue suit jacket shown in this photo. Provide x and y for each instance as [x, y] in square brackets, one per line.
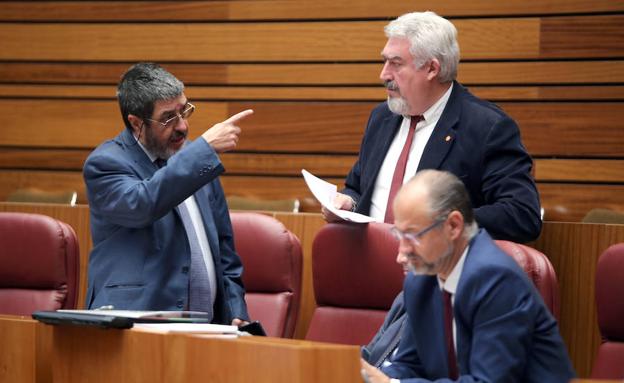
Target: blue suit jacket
[141, 258]
[505, 332]
[483, 149]
[387, 338]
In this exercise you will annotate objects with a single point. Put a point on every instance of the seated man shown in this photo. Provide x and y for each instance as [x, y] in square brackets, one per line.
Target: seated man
[472, 312]
[162, 237]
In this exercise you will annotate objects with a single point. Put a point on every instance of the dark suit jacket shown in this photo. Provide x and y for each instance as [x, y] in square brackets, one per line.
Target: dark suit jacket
[505, 332]
[483, 149]
[141, 258]
[387, 338]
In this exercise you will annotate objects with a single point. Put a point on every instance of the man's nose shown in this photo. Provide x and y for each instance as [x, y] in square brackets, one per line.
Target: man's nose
[385, 74]
[181, 124]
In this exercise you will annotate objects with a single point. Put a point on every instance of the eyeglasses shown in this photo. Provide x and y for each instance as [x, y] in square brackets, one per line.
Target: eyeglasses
[173, 121]
[414, 238]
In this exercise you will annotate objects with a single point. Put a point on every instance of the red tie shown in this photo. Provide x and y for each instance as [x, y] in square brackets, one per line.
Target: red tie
[399, 171]
[448, 333]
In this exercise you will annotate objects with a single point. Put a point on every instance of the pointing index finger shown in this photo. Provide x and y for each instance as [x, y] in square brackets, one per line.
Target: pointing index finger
[238, 116]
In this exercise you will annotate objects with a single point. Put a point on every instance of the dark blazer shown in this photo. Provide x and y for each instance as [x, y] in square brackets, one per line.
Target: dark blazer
[141, 258]
[388, 336]
[477, 142]
[505, 332]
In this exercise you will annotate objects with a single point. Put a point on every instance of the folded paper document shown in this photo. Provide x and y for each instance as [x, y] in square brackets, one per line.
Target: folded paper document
[325, 193]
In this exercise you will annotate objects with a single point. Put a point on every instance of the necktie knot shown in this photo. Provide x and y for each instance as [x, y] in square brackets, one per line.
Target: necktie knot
[160, 162]
[414, 120]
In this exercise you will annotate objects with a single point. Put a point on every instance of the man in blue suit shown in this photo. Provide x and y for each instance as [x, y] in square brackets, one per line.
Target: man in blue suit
[439, 125]
[162, 237]
[473, 314]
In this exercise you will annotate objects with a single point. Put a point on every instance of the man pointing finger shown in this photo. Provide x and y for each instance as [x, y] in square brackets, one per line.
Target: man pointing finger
[162, 237]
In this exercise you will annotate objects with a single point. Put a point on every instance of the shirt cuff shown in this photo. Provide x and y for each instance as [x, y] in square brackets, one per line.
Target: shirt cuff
[393, 380]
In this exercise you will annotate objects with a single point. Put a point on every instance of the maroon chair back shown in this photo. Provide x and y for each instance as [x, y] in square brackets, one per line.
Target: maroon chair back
[609, 363]
[356, 278]
[39, 264]
[539, 269]
[272, 262]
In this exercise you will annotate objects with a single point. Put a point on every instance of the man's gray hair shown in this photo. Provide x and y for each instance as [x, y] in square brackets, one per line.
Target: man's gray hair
[141, 86]
[447, 193]
[430, 36]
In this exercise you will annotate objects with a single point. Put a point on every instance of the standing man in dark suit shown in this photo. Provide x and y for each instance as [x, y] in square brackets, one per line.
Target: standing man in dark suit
[162, 237]
[473, 314]
[449, 129]
[430, 121]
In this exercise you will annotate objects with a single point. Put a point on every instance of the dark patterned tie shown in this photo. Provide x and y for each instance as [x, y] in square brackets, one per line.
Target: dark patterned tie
[399, 170]
[448, 333]
[199, 285]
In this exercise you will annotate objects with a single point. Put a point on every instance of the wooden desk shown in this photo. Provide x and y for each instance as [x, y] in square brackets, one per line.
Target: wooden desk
[573, 249]
[33, 352]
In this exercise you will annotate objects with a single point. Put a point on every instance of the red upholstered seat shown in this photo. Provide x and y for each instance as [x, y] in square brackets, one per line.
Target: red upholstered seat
[609, 363]
[356, 278]
[539, 269]
[272, 261]
[39, 264]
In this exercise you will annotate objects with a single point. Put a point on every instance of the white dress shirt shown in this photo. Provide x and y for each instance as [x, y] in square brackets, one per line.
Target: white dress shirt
[424, 129]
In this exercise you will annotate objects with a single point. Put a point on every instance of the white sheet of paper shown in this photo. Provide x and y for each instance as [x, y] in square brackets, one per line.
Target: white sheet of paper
[325, 192]
[196, 328]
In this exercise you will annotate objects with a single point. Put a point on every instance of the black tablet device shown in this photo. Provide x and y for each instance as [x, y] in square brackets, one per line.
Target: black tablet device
[83, 319]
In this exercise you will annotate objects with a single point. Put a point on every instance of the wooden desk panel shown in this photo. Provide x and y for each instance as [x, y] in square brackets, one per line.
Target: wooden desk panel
[82, 354]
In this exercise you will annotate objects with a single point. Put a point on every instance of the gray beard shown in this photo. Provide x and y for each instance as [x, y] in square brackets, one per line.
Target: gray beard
[398, 105]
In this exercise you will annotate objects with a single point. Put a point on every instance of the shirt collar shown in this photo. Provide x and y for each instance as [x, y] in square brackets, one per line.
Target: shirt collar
[149, 154]
[450, 285]
[435, 111]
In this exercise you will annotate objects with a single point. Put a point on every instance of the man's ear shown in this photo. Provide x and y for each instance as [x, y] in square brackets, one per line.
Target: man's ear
[433, 70]
[136, 124]
[455, 223]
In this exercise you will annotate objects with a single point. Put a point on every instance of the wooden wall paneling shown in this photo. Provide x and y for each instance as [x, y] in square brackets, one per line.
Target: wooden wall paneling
[578, 37]
[287, 164]
[580, 170]
[11, 180]
[561, 201]
[570, 129]
[548, 129]
[513, 38]
[325, 165]
[323, 93]
[284, 10]
[570, 202]
[42, 159]
[574, 249]
[360, 74]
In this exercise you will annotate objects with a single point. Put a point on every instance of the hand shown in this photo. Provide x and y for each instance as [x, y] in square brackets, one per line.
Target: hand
[239, 322]
[372, 374]
[224, 135]
[342, 202]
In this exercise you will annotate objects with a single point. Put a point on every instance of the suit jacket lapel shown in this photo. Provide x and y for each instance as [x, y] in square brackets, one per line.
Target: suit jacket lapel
[444, 133]
[144, 166]
[427, 318]
[388, 130]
